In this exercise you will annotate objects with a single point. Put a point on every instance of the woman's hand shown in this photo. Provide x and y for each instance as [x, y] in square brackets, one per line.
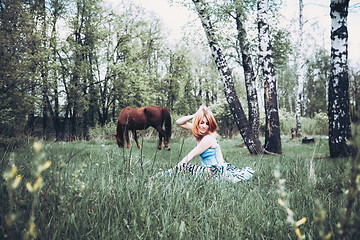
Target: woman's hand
[207, 142]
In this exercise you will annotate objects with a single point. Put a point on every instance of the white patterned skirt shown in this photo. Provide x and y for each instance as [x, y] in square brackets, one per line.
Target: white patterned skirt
[227, 171]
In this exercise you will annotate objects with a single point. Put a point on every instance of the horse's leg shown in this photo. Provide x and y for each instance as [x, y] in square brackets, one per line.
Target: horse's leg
[127, 137]
[136, 138]
[161, 135]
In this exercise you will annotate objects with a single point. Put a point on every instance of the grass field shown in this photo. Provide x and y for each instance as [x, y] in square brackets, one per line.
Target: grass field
[95, 190]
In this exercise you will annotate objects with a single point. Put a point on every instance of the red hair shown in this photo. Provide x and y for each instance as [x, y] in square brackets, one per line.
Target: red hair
[198, 117]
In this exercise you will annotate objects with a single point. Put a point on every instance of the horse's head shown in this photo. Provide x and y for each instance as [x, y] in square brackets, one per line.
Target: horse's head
[119, 140]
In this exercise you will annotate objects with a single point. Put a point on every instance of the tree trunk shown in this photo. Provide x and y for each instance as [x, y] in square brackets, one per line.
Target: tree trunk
[53, 42]
[250, 79]
[76, 96]
[338, 106]
[253, 143]
[301, 73]
[43, 63]
[354, 95]
[272, 129]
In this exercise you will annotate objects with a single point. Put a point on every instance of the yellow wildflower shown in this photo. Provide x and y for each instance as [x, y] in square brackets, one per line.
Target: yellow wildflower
[37, 146]
[13, 171]
[328, 236]
[41, 168]
[9, 174]
[37, 183]
[297, 231]
[16, 182]
[29, 187]
[32, 227]
[301, 221]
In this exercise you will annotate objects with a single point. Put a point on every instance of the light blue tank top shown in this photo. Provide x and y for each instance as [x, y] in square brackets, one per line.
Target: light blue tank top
[212, 156]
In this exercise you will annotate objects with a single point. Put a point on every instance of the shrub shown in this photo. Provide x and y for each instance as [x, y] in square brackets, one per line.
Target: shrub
[105, 132]
[318, 125]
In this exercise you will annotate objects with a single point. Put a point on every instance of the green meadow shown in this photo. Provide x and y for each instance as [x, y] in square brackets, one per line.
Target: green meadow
[95, 190]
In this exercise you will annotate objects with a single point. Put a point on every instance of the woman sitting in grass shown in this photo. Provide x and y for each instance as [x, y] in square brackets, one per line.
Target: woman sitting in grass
[207, 146]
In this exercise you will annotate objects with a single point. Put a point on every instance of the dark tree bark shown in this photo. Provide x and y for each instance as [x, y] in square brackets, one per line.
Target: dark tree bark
[253, 143]
[272, 129]
[75, 97]
[338, 106]
[39, 11]
[56, 11]
[56, 8]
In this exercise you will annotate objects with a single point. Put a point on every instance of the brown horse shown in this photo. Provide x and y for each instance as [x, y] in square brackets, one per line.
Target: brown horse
[140, 119]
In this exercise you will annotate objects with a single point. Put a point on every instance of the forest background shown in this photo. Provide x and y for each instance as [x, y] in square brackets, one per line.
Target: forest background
[68, 66]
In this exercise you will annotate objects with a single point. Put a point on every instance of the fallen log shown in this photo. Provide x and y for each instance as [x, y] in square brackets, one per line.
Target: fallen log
[306, 140]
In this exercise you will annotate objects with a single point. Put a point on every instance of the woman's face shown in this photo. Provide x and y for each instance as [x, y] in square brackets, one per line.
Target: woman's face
[204, 126]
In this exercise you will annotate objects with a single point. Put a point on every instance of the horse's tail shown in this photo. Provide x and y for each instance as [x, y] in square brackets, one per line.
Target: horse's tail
[119, 133]
[167, 120]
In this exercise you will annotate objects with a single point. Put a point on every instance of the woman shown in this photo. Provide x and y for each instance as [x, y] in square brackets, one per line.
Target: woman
[203, 128]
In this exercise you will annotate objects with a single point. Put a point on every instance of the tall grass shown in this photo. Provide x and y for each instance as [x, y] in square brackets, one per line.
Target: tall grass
[95, 190]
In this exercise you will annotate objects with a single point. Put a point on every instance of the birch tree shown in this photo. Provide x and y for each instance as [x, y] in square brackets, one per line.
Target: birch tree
[250, 79]
[253, 143]
[238, 10]
[338, 98]
[272, 129]
[300, 72]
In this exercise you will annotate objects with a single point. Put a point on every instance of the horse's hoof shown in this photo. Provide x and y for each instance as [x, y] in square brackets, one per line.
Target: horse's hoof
[168, 149]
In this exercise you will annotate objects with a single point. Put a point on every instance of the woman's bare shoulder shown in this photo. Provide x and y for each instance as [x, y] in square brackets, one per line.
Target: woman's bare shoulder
[214, 134]
[210, 139]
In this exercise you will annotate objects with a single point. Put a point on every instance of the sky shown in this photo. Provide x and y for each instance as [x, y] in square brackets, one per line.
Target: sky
[316, 15]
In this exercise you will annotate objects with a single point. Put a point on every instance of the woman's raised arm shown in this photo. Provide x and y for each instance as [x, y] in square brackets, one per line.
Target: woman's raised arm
[184, 122]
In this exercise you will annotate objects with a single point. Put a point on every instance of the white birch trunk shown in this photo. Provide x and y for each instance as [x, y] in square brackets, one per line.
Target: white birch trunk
[338, 106]
[250, 78]
[301, 72]
[272, 130]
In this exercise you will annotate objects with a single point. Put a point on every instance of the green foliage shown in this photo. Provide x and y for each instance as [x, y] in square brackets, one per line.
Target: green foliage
[346, 228]
[105, 132]
[286, 80]
[103, 60]
[226, 124]
[282, 48]
[98, 190]
[176, 87]
[19, 47]
[354, 93]
[17, 221]
[317, 125]
[317, 77]
[284, 202]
